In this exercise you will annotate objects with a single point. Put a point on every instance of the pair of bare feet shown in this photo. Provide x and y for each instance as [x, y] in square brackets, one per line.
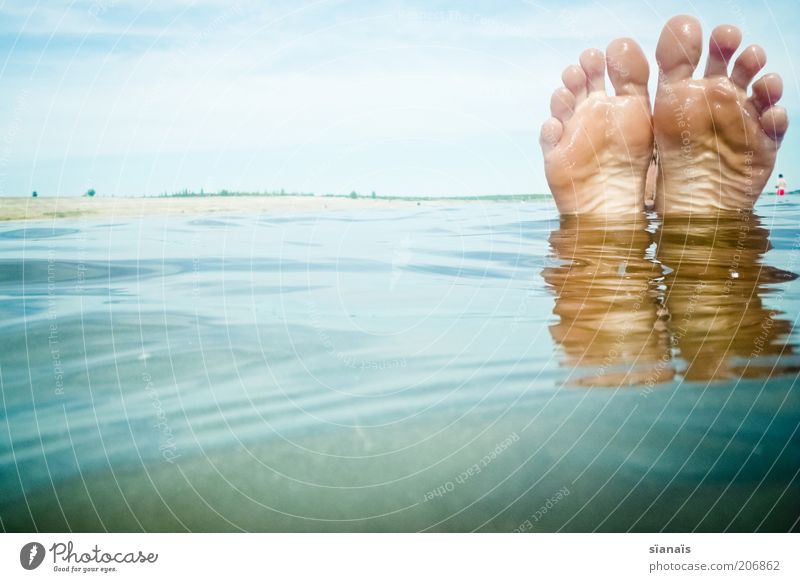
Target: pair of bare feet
[716, 146]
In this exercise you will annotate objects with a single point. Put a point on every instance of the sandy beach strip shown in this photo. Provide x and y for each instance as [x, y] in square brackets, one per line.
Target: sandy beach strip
[68, 207]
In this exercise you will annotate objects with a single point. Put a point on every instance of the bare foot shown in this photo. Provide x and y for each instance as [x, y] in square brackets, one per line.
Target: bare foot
[597, 147]
[716, 145]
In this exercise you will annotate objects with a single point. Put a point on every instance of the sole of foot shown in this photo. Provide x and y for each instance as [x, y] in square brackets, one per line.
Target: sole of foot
[717, 145]
[597, 147]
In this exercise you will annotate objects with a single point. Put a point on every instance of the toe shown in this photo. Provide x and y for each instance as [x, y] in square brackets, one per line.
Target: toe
[627, 67]
[725, 39]
[550, 134]
[679, 47]
[593, 63]
[775, 122]
[575, 80]
[562, 104]
[750, 62]
[766, 92]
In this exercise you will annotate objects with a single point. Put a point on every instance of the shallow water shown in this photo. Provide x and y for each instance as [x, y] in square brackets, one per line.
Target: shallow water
[483, 367]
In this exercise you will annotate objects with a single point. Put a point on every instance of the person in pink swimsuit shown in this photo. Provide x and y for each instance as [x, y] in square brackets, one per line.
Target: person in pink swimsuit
[781, 185]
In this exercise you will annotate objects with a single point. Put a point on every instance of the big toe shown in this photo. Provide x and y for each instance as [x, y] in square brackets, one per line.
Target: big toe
[627, 67]
[679, 47]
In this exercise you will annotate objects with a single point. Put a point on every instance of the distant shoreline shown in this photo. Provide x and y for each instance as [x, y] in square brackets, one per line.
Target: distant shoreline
[42, 208]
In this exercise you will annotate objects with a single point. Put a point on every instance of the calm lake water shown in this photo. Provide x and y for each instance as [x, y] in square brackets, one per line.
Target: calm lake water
[481, 367]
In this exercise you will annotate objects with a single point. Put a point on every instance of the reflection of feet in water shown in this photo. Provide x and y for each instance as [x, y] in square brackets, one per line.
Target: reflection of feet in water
[625, 311]
[717, 147]
[715, 297]
[597, 147]
[606, 300]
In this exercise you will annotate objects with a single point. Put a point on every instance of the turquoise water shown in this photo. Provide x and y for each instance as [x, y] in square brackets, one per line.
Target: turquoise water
[476, 367]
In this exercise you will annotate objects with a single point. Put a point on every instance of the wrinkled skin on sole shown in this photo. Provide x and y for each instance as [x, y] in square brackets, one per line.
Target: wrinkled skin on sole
[717, 144]
[597, 147]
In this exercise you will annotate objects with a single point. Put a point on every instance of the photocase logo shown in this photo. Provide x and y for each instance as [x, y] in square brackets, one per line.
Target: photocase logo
[31, 555]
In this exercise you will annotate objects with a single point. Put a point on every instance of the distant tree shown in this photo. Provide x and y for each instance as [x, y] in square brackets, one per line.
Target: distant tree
[373, 193]
[35, 194]
[353, 194]
[90, 192]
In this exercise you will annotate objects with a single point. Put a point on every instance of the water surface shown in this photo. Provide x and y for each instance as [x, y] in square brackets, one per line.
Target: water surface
[478, 367]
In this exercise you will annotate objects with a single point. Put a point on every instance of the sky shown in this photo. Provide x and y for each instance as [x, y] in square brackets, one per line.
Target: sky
[435, 98]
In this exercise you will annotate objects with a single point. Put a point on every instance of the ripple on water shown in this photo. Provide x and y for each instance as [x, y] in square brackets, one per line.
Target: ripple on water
[321, 344]
[34, 233]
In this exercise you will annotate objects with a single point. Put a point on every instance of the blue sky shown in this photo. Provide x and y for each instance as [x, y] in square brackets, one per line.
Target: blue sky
[409, 98]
